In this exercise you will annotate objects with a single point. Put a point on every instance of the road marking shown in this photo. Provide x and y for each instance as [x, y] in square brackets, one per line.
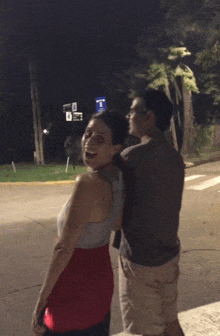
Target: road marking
[205, 184]
[192, 177]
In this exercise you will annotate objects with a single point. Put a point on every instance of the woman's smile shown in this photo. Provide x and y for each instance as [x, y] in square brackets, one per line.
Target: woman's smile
[97, 148]
[90, 155]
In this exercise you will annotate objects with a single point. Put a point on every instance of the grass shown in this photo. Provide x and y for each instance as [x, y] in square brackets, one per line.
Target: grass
[28, 172]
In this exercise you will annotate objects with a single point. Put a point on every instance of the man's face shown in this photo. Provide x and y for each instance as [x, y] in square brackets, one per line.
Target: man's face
[137, 117]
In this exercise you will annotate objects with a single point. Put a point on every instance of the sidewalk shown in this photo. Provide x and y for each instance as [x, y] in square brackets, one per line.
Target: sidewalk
[204, 321]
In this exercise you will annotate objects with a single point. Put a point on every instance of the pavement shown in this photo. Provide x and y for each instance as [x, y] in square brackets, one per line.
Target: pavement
[204, 321]
[26, 248]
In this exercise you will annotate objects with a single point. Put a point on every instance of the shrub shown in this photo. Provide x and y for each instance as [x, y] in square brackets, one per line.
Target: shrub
[203, 137]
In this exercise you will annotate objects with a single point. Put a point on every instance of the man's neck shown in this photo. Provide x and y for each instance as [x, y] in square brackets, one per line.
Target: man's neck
[152, 134]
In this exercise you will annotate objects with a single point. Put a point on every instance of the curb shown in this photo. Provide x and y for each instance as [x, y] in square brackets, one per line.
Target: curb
[188, 164]
[37, 183]
[197, 163]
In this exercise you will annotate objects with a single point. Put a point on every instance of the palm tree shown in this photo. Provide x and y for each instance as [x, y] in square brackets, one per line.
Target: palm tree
[165, 75]
[188, 85]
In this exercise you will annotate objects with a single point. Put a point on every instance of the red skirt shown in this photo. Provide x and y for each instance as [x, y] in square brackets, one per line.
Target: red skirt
[82, 295]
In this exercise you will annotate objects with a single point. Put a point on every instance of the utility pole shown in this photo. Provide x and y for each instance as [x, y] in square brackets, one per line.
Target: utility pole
[38, 135]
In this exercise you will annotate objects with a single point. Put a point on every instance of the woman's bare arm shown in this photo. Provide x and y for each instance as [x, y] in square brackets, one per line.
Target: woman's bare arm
[81, 204]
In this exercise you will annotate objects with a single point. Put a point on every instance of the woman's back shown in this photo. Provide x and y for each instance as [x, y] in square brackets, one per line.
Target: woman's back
[107, 204]
[89, 270]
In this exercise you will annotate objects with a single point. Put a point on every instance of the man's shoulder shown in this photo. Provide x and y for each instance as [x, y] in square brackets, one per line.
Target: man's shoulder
[173, 153]
[133, 150]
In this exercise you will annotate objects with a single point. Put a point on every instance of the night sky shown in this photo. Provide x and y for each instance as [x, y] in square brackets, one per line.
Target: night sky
[77, 44]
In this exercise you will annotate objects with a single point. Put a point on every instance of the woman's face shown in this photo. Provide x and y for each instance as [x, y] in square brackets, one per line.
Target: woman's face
[97, 148]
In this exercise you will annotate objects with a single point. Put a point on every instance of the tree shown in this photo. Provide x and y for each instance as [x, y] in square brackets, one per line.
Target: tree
[164, 75]
[188, 84]
[196, 26]
[161, 75]
[189, 25]
[209, 62]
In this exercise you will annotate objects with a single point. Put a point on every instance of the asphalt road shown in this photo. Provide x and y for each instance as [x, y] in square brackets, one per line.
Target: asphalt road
[200, 237]
[28, 231]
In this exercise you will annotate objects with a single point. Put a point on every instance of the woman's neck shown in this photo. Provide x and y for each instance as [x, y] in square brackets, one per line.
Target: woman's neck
[107, 167]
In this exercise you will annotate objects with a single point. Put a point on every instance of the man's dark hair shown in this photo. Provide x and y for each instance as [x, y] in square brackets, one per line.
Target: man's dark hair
[160, 104]
[116, 122]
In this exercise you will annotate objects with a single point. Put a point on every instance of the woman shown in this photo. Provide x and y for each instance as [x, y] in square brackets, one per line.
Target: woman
[76, 295]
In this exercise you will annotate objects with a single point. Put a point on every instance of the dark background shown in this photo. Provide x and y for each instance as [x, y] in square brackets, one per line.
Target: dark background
[77, 45]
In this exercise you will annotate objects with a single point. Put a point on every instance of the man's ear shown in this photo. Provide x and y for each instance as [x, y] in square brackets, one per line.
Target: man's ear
[117, 149]
[150, 118]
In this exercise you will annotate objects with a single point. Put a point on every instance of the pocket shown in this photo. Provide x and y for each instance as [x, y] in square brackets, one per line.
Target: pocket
[169, 272]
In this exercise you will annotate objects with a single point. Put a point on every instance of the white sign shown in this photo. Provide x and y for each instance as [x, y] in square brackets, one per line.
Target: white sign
[74, 107]
[67, 108]
[77, 116]
[71, 107]
[69, 116]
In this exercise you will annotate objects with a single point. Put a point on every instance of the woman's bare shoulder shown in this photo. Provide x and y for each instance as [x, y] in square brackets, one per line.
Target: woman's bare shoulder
[91, 188]
[90, 180]
[83, 178]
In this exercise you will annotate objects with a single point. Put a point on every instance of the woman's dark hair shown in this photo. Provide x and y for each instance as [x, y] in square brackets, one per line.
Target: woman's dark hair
[116, 122]
[118, 125]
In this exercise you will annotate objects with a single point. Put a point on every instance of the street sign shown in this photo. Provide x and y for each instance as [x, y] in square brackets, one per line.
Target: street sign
[71, 112]
[67, 108]
[100, 104]
[69, 116]
[74, 107]
[77, 116]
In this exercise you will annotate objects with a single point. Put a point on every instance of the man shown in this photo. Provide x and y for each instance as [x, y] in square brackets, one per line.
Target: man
[149, 246]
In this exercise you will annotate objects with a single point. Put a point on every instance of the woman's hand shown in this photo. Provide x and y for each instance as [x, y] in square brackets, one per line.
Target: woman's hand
[37, 326]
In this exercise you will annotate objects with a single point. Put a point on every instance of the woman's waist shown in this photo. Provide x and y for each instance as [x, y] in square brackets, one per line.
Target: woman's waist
[92, 250]
[95, 235]
[90, 256]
